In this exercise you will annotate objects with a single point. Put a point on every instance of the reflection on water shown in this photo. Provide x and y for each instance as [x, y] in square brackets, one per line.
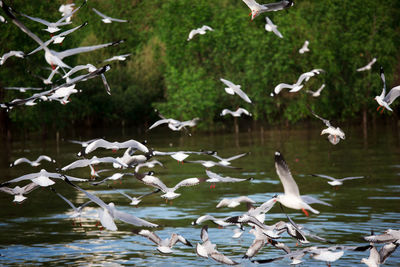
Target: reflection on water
[39, 231]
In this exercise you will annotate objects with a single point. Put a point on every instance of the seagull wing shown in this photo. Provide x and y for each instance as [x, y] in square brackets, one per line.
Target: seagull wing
[128, 218]
[159, 122]
[45, 22]
[204, 233]
[282, 169]
[324, 176]
[281, 86]
[386, 251]
[99, 13]
[254, 248]
[382, 74]
[118, 20]
[153, 181]
[237, 156]
[325, 121]
[251, 3]
[242, 94]
[392, 95]
[66, 200]
[83, 49]
[228, 83]
[311, 200]
[92, 197]
[175, 238]
[222, 258]
[153, 237]
[187, 182]
[351, 178]
[43, 157]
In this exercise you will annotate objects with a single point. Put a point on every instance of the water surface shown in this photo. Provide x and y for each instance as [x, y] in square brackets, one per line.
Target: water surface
[39, 231]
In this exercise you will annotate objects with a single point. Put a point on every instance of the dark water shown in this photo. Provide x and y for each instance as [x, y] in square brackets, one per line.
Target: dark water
[39, 231]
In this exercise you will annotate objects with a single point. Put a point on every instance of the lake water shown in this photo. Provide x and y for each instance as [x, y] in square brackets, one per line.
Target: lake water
[40, 232]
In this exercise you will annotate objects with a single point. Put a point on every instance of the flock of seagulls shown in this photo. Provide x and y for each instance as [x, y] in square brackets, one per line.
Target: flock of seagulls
[138, 155]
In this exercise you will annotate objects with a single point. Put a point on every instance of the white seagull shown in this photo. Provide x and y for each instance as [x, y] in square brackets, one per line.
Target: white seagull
[114, 177]
[42, 178]
[207, 249]
[304, 48]
[298, 85]
[136, 200]
[218, 221]
[93, 161]
[19, 192]
[34, 163]
[334, 134]
[368, 66]
[101, 143]
[257, 9]
[66, 10]
[384, 100]
[201, 30]
[175, 125]
[236, 113]
[316, 93]
[235, 89]
[13, 53]
[52, 27]
[109, 213]
[169, 192]
[107, 19]
[119, 58]
[227, 161]
[291, 197]
[336, 182]
[271, 27]
[163, 245]
[234, 202]
[216, 178]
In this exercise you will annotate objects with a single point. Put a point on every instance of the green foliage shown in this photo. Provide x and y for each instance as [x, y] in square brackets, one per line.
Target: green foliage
[181, 78]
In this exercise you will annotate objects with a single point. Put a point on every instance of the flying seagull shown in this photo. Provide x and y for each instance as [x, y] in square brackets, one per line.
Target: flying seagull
[304, 48]
[257, 9]
[334, 134]
[235, 89]
[107, 19]
[384, 100]
[368, 66]
[271, 27]
[201, 31]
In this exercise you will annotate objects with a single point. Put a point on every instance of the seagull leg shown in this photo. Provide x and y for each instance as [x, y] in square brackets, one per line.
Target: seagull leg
[378, 108]
[383, 108]
[305, 212]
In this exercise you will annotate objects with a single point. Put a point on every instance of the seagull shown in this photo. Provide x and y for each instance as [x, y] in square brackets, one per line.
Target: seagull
[304, 48]
[34, 163]
[114, 177]
[12, 53]
[107, 19]
[388, 236]
[66, 10]
[384, 100]
[181, 155]
[136, 200]
[298, 85]
[368, 66]
[52, 27]
[77, 210]
[93, 161]
[227, 161]
[115, 145]
[235, 89]
[83, 143]
[334, 134]
[259, 242]
[336, 182]
[62, 94]
[270, 26]
[148, 164]
[257, 9]
[234, 202]
[201, 30]
[316, 93]
[207, 249]
[52, 57]
[269, 231]
[291, 198]
[130, 159]
[119, 58]
[218, 221]
[216, 178]
[236, 113]
[210, 164]
[163, 245]
[175, 125]
[109, 213]
[169, 192]
[42, 178]
[19, 192]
